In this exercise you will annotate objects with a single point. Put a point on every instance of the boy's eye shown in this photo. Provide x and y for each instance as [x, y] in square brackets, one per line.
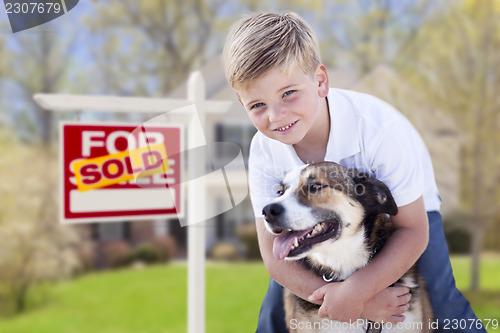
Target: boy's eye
[256, 105]
[289, 92]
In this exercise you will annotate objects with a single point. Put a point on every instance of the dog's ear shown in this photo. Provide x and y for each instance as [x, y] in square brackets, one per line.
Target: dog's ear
[374, 194]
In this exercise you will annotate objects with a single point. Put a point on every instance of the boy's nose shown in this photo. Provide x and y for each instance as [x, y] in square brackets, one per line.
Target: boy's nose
[277, 113]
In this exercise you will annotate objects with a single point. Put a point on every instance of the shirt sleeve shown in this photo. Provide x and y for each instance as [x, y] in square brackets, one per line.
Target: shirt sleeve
[395, 162]
[263, 177]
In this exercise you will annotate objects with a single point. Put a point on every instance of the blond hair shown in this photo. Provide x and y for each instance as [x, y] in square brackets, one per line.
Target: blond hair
[261, 42]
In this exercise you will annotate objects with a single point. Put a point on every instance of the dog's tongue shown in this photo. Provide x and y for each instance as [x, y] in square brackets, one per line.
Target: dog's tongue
[282, 244]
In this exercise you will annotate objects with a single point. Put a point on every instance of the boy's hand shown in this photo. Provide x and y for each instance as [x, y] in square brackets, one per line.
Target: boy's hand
[339, 302]
[388, 305]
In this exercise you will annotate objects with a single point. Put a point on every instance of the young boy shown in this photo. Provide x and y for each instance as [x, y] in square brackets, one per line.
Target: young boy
[272, 62]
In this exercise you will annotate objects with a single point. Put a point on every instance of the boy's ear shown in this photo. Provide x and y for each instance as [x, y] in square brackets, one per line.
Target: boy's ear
[321, 77]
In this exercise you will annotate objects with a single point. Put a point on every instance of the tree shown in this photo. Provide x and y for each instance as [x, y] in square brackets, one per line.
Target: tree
[35, 248]
[363, 34]
[454, 60]
[149, 47]
[33, 63]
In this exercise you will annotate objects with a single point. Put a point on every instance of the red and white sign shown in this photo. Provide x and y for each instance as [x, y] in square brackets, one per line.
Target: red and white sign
[113, 172]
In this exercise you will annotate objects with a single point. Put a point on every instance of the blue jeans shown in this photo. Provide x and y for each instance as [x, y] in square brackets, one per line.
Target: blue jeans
[447, 301]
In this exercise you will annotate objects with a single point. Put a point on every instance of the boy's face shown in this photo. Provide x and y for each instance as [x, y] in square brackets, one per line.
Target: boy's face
[283, 105]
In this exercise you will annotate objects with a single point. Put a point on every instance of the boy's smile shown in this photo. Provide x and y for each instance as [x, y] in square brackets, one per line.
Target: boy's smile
[289, 106]
[284, 128]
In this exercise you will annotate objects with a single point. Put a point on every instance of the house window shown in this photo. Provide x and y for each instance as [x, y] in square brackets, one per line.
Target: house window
[228, 222]
[161, 227]
[113, 231]
[241, 134]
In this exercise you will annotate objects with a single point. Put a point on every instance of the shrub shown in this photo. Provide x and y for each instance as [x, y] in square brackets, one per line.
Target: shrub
[147, 253]
[456, 229]
[166, 247]
[247, 234]
[458, 240]
[225, 251]
[31, 254]
[118, 254]
[85, 254]
[34, 247]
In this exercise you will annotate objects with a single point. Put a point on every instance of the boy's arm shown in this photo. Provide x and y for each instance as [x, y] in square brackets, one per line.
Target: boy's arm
[286, 272]
[344, 301]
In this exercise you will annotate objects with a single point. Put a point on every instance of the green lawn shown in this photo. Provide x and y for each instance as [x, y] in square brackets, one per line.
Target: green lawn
[486, 302]
[147, 300]
[154, 300]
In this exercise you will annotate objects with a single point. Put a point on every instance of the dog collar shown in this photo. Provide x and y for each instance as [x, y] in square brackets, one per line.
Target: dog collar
[330, 277]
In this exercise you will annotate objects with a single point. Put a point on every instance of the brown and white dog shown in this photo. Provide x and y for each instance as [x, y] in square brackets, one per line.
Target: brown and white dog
[334, 220]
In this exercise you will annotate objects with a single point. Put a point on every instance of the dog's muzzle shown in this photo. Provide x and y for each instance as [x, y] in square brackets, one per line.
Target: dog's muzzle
[293, 242]
[273, 214]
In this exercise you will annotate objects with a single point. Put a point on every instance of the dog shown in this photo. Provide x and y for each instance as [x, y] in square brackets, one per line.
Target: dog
[334, 220]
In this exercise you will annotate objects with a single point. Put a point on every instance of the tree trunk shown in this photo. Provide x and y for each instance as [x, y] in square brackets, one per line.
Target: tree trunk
[21, 298]
[479, 216]
[477, 242]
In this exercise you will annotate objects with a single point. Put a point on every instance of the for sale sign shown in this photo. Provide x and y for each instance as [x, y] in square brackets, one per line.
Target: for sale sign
[115, 172]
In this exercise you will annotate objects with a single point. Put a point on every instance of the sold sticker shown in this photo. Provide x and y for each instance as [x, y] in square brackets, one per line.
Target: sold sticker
[115, 168]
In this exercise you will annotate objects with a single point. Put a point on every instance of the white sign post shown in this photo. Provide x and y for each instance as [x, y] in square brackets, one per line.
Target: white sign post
[195, 119]
[196, 211]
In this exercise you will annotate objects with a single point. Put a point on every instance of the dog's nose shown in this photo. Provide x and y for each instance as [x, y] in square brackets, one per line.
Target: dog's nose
[272, 212]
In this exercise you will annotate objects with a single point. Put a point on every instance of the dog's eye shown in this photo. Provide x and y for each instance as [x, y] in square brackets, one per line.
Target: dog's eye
[314, 188]
[280, 191]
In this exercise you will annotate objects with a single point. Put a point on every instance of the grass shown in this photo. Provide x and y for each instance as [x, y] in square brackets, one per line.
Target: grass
[485, 302]
[155, 300]
[147, 301]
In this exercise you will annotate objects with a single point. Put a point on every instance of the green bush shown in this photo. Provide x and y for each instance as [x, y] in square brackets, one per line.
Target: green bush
[147, 253]
[225, 251]
[459, 241]
[247, 234]
[456, 230]
[166, 247]
[117, 254]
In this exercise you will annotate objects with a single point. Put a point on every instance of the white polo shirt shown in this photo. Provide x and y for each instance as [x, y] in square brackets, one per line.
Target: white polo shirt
[367, 134]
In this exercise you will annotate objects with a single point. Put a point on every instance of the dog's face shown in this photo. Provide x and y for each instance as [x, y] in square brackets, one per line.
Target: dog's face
[323, 203]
